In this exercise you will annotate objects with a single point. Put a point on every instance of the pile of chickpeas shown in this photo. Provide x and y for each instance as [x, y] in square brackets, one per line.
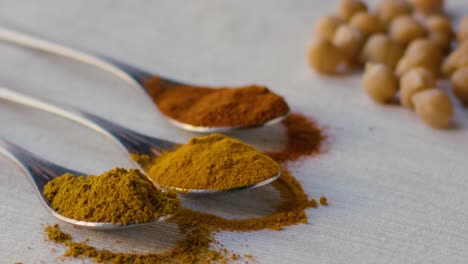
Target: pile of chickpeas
[404, 47]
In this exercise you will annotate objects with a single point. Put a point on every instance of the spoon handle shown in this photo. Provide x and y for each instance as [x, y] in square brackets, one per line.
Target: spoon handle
[129, 141]
[39, 170]
[132, 75]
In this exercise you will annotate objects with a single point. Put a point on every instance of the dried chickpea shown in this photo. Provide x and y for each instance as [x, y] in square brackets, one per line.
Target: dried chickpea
[441, 40]
[420, 58]
[462, 33]
[347, 8]
[380, 83]
[408, 63]
[423, 45]
[405, 29]
[380, 48]
[350, 41]
[387, 10]
[326, 27]
[460, 84]
[323, 56]
[414, 81]
[440, 30]
[456, 60]
[434, 107]
[367, 23]
[428, 6]
[440, 24]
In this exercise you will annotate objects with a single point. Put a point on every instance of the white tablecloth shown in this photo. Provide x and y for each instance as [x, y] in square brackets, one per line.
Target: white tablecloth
[397, 189]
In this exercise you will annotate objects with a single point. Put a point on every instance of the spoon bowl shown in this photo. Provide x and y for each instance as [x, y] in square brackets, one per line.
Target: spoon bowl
[242, 188]
[130, 142]
[40, 172]
[134, 76]
[204, 129]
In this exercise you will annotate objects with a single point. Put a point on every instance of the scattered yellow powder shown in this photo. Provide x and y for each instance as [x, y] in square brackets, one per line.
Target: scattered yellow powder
[56, 235]
[313, 203]
[290, 212]
[323, 200]
[194, 248]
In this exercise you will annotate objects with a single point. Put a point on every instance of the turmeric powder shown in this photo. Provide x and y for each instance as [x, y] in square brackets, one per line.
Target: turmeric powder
[117, 196]
[210, 162]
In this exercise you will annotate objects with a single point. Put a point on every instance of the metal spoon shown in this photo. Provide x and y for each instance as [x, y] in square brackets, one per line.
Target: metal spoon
[132, 75]
[40, 172]
[129, 140]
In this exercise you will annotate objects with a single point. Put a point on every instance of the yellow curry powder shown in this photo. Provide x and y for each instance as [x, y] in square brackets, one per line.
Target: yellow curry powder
[210, 162]
[117, 196]
[198, 228]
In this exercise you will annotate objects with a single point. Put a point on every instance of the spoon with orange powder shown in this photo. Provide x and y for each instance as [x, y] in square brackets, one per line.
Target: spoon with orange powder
[193, 108]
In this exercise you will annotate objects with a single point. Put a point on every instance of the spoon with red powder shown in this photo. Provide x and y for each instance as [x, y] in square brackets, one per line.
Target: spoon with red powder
[193, 108]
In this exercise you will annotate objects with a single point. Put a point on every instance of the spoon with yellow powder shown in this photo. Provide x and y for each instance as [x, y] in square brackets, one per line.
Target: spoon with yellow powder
[85, 200]
[210, 164]
[194, 108]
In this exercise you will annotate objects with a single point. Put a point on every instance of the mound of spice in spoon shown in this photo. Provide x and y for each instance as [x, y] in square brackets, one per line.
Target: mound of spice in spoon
[224, 107]
[213, 162]
[117, 196]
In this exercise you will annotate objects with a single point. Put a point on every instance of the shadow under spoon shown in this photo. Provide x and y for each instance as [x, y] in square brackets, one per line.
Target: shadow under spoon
[40, 172]
[132, 75]
[130, 142]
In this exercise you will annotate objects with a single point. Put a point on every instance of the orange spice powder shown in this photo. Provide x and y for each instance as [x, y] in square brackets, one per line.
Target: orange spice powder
[304, 138]
[203, 106]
